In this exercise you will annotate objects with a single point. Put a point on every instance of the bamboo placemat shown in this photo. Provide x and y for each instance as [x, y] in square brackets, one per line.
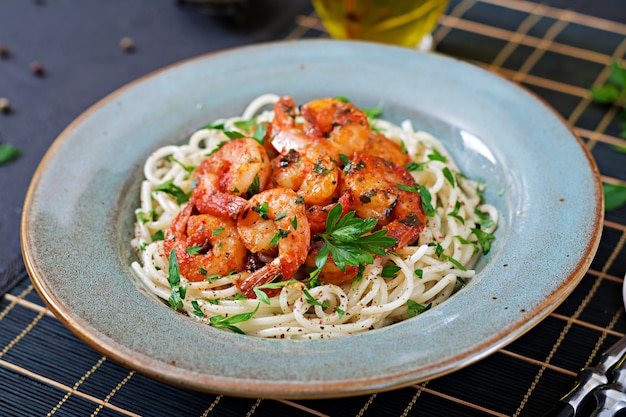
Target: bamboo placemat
[556, 53]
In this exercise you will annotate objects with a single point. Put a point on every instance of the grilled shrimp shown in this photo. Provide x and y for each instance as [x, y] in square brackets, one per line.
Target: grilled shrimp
[274, 224]
[238, 170]
[342, 125]
[385, 148]
[313, 175]
[205, 245]
[328, 126]
[373, 182]
[284, 133]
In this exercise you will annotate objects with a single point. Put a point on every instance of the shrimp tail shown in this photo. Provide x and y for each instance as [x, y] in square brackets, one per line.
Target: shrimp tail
[259, 277]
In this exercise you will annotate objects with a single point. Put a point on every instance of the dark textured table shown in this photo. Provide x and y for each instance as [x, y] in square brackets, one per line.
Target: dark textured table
[62, 56]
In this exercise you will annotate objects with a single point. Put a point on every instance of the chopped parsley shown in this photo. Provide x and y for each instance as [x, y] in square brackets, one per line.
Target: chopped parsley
[277, 236]
[448, 175]
[349, 241]
[415, 308]
[255, 187]
[425, 196]
[312, 301]
[390, 271]
[145, 217]
[415, 166]
[223, 322]
[194, 250]
[158, 235]
[484, 239]
[197, 311]
[178, 292]
[261, 296]
[174, 190]
[436, 156]
[455, 213]
[188, 168]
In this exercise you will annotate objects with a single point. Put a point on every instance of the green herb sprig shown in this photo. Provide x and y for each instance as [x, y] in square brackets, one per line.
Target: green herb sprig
[349, 241]
[223, 322]
[261, 296]
[178, 292]
[614, 92]
[414, 308]
[174, 190]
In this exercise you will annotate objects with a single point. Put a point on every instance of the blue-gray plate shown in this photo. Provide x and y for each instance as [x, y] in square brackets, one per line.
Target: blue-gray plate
[78, 218]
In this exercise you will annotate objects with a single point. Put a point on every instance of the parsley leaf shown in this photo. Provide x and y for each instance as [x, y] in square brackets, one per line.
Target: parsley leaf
[177, 294]
[8, 153]
[415, 166]
[313, 301]
[455, 213]
[373, 112]
[174, 190]
[425, 196]
[233, 134]
[197, 311]
[349, 241]
[194, 250]
[390, 271]
[217, 148]
[448, 175]
[454, 262]
[263, 210]
[261, 296]
[436, 156]
[188, 168]
[145, 217]
[614, 196]
[222, 322]
[255, 186]
[614, 90]
[216, 125]
[259, 132]
[414, 308]
[484, 239]
[485, 221]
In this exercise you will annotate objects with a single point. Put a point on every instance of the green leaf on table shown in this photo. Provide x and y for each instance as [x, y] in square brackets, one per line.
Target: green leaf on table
[618, 74]
[614, 90]
[605, 94]
[8, 153]
[614, 196]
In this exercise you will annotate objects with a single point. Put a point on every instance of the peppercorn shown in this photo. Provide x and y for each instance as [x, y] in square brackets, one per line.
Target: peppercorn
[37, 69]
[127, 44]
[5, 105]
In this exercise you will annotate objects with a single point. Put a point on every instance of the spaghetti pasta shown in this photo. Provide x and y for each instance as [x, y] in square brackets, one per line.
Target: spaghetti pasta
[406, 280]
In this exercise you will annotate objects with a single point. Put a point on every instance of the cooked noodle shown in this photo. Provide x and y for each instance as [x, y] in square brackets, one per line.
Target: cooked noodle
[430, 271]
